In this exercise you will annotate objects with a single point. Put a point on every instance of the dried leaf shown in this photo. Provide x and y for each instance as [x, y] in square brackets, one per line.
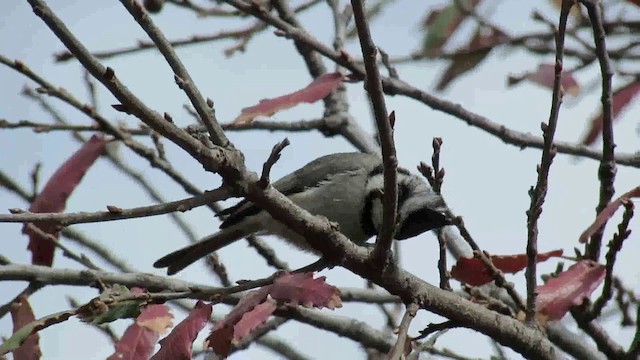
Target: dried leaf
[608, 212]
[177, 345]
[545, 75]
[22, 315]
[569, 288]
[252, 310]
[138, 340]
[21, 335]
[468, 58]
[54, 196]
[473, 271]
[252, 319]
[440, 24]
[621, 98]
[103, 309]
[316, 90]
[303, 289]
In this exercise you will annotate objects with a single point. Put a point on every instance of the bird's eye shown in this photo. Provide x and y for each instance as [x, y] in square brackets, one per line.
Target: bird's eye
[420, 221]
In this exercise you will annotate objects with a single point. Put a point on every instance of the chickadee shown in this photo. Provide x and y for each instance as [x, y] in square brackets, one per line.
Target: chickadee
[346, 188]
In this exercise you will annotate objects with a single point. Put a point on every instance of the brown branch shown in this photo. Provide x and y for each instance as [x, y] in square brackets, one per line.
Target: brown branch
[66, 252]
[273, 158]
[539, 193]
[398, 87]
[192, 40]
[603, 340]
[615, 245]
[399, 348]
[115, 213]
[384, 121]
[607, 169]
[183, 79]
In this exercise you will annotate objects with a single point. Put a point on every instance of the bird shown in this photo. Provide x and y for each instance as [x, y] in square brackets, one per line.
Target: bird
[346, 188]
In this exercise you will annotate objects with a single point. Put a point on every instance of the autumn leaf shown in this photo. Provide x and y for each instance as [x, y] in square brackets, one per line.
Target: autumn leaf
[21, 335]
[474, 272]
[607, 213]
[469, 58]
[138, 340]
[22, 315]
[545, 76]
[440, 24]
[54, 195]
[621, 98]
[318, 89]
[569, 288]
[256, 307]
[177, 345]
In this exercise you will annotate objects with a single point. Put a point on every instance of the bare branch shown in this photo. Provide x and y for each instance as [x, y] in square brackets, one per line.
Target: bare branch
[115, 213]
[539, 193]
[607, 170]
[373, 85]
[399, 348]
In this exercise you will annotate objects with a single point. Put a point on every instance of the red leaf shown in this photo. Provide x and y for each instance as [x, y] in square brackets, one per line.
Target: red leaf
[220, 340]
[316, 90]
[22, 315]
[252, 319]
[138, 340]
[608, 212]
[621, 98]
[303, 289]
[54, 196]
[177, 345]
[569, 288]
[251, 311]
[472, 271]
[468, 58]
[440, 24]
[545, 76]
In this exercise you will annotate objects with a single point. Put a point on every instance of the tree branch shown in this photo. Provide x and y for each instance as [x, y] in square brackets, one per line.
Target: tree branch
[539, 193]
[373, 85]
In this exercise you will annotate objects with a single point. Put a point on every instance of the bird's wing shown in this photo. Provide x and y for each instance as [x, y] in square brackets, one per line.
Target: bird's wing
[308, 176]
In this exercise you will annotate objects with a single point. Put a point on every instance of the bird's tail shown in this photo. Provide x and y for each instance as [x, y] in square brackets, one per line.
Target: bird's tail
[186, 256]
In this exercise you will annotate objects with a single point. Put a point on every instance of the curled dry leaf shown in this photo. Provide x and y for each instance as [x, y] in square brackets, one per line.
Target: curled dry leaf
[474, 272]
[569, 288]
[441, 23]
[545, 76]
[138, 340]
[470, 57]
[608, 212]
[177, 345]
[316, 90]
[256, 307]
[21, 335]
[55, 193]
[22, 315]
[621, 98]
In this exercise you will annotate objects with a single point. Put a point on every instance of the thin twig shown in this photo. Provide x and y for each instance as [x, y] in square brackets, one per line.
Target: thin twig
[399, 348]
[607, 169]
[399, 87]
[373, 86]
[539, 193]
[603, 340]
[182, 77]
[81, 259]
[273, 158]
[115, 213]
[615, 245]
[500, 280]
